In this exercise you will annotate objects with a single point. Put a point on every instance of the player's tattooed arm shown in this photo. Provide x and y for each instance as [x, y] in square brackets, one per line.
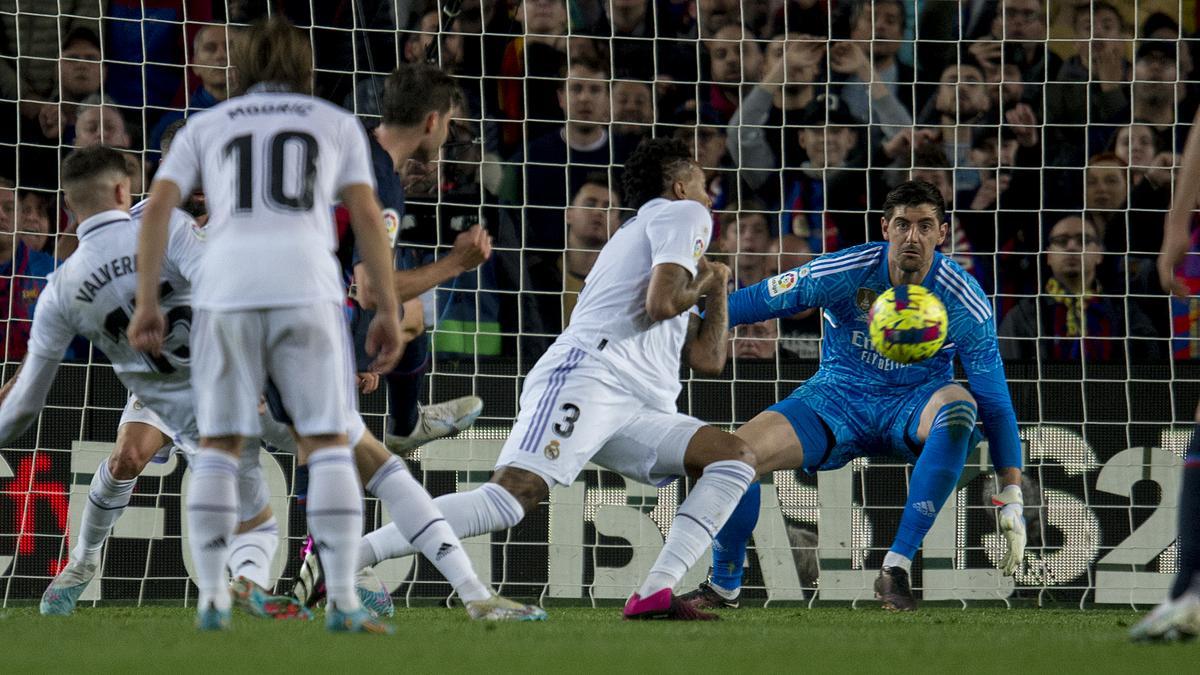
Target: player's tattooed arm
[707, 344]
[673, 290]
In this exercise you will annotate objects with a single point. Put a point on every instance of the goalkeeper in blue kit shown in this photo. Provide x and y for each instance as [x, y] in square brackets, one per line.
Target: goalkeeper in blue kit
[860, 404]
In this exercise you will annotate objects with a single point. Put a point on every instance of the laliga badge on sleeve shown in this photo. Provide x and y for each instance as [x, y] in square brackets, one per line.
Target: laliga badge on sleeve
[782, 283]
[391, 222]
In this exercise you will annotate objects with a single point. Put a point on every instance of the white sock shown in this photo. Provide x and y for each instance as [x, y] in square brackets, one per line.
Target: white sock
[107, 499]
[251, 553]
[488, 508]
[212, 518]
[335, 521]
[418, 520]
[893, 559]
[698, 520]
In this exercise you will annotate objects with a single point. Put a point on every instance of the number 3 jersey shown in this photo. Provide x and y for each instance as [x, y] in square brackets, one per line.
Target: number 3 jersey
[271, 165]
[610, 321]
[91, 294]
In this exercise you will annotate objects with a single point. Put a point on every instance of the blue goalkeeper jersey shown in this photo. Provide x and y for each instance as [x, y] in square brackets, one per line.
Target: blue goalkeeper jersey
[844, 285]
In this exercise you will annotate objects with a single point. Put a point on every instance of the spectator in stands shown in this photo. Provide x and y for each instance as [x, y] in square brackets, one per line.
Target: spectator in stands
[756, 340]
[591, 219]
[756, 138]
[33, 221]
[633, 108]
[1149, 176]
[1072, 320]
[556, 164]
[100, 121]
[877, 26]
[633, 27]
[1093, 83]
[1018, 36]
[1159, 26]
[30, 42]
[79, 75]
[1154, 83]
[23, 272]
[1137, 146]
[746, 235]
[708, 143]
[825, 199]
[80, 69]
[1105, 193]
[530, 72]
[733, 60]
[931, 165]
[209, 63]
[960, 107]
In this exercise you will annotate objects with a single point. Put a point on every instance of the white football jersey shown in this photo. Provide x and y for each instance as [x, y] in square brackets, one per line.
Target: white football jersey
[610, 320]
[92, 294]
[272, 165]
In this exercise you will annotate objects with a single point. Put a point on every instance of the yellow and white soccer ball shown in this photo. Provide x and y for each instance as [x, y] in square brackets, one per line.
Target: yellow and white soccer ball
[908, 324]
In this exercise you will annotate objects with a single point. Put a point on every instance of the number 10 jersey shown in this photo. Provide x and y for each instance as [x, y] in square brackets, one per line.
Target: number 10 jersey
[272, 165]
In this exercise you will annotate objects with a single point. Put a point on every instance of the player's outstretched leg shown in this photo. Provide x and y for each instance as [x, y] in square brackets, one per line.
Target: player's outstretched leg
[933, 479]
[728, 469]
[433, 527]
[1179, 616]
[724, 584]
[413, 425]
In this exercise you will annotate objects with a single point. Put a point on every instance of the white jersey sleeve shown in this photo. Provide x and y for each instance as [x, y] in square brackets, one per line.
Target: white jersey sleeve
[356, 166]
[52, 329]
[679, 234]
[181, 166]
[185, 246]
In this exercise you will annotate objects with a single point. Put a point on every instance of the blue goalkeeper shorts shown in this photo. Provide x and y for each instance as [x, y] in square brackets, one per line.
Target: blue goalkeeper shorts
[836, 424]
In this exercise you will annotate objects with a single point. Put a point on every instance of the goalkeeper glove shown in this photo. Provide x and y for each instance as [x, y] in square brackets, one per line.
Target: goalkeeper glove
[1012, 526]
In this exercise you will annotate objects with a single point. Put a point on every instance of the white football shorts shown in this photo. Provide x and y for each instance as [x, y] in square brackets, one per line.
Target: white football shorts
[136, 411]
[304, 349]
[573, 409]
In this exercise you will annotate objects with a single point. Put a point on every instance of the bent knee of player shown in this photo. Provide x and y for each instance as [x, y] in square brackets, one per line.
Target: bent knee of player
[710, 445]
[949, 394]
[527, 487]
[740, 451]
[136, 444]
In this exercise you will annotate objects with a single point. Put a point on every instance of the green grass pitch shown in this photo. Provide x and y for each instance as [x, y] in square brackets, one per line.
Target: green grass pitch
[934, 640]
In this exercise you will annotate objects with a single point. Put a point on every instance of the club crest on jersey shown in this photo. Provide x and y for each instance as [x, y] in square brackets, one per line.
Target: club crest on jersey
[698, 249]
[391, 222]
[552, 449]
[865, 298]
[198, 230]
[782, 283]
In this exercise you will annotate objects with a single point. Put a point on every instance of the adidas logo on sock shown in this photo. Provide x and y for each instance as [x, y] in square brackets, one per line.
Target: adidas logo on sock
[219, 542]
[926, 508]
[444, 550]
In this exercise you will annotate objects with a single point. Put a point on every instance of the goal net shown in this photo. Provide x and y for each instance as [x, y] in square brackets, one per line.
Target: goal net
[1051, 127]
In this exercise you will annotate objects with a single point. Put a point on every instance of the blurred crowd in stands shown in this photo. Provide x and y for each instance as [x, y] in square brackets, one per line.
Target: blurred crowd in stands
[1051, 127]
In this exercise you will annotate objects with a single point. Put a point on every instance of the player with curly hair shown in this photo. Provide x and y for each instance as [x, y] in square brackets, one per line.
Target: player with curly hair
[605, 391]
